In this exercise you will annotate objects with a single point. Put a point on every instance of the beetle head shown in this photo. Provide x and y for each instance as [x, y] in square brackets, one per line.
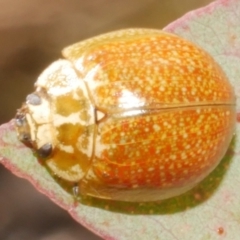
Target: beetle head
[33, 123]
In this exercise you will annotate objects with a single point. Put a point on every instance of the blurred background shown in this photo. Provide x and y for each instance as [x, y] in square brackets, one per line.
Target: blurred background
[32, 34]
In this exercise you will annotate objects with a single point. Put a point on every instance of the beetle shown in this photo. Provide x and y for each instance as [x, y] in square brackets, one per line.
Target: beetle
[131, 115]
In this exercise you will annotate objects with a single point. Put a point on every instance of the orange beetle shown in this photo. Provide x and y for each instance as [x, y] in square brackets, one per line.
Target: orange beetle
[132, 115]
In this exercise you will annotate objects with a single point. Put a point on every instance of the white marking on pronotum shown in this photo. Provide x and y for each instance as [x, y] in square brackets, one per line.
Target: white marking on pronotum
[43, 79]
[66, 148]
[31, 126]
[73, 118]
[64, 80]
[40, 113]
[73, 173]
[44, 135]
[77, 169]
[86, 150]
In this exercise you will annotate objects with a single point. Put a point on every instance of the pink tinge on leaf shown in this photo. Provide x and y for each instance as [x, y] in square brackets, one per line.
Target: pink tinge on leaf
[195, 15]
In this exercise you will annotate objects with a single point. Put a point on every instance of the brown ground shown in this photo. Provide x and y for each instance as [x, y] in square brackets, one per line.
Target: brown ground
[32, 33]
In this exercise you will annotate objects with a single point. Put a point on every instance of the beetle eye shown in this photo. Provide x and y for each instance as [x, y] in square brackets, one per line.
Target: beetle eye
[33, 99]
[45, 151]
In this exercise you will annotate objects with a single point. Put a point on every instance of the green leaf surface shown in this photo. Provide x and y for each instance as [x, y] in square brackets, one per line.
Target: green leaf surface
[211, 210]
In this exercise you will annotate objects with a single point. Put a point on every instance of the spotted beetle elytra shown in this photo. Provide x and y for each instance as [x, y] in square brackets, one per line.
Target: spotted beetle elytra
[132, 115]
